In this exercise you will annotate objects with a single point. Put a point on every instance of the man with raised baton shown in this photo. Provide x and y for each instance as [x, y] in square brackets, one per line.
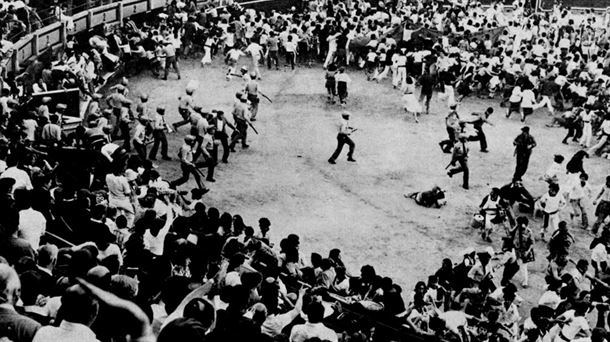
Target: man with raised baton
[343, 138]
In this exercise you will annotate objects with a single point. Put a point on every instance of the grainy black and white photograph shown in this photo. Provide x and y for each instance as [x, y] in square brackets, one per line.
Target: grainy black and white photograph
[304, 170]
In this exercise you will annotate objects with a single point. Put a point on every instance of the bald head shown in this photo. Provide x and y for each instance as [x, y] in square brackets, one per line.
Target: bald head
[10, 286]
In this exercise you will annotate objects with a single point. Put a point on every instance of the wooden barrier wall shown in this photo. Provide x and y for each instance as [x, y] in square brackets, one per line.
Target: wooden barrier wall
[55, 35]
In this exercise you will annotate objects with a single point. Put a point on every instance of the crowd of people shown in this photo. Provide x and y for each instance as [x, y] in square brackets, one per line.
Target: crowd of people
[96, 245]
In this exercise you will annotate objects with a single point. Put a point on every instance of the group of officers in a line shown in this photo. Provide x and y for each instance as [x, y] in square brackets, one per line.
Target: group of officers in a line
[208, 130]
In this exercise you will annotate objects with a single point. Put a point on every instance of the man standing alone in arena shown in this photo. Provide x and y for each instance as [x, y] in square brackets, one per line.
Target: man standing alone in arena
[343, 138]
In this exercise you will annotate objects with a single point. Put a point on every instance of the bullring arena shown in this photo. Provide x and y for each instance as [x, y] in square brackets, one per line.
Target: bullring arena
[101, 240]
[358, 208]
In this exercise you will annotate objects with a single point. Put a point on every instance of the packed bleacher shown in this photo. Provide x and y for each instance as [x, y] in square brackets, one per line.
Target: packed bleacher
[96, 245]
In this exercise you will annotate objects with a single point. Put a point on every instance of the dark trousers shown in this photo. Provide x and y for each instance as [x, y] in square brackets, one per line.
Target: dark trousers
[241, 132]
[184, 113]
[447, 144]
[462, 167]
[290, 56]
[273, 57]
[224, 140]
[159, 138]
[187, 170]
[117, 116]
[140, 149]
[523, 160]
[124, 127]
[342, 140]
[482, 138]
[171, 62]
[427, 96]
[210, 164]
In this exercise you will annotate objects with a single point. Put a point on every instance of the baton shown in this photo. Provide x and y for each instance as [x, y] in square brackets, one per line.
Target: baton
[266, 97]
[252, 126]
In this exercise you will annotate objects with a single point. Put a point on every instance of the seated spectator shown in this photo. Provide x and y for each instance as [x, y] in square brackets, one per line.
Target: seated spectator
[314, 328]
[15, 327]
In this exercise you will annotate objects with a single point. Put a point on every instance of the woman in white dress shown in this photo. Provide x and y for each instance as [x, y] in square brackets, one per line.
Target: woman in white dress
[411, 104]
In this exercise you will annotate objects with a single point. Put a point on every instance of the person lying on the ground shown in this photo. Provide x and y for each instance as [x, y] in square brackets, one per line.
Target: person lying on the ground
[431, 198]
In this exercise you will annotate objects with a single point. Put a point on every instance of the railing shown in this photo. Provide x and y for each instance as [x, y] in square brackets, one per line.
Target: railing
[54, 35]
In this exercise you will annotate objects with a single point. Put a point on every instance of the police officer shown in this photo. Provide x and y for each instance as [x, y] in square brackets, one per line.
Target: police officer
[241, 117]
[460, 156]
[252, 95]
[159, 137]
[343, 138]
[187, 165]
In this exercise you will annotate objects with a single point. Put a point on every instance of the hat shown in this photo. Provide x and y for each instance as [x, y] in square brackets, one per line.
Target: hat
[143, 118]
[61, 106]
[189, 137]
[144, 97]
[253, 74]
[46, 99]
[96, 96]
[244, 68]
[346, 113]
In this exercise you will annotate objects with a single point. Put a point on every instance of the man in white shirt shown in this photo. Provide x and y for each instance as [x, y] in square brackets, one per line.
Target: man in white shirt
[79, 310]
[22, 179]
[528, 101]
[232, 58]
[256, 52]
[32, 224]
[314, 327]
[139, 137]
[343, 138]
[154, 238]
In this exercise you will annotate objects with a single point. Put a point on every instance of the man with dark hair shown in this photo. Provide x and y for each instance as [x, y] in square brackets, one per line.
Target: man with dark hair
[78, 310]
[12, 247]
[524, 143]
[314, 328]
[15, 327]
[479, 119]
[343, 138]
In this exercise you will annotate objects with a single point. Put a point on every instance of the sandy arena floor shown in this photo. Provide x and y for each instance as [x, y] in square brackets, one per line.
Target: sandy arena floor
[360, 207]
